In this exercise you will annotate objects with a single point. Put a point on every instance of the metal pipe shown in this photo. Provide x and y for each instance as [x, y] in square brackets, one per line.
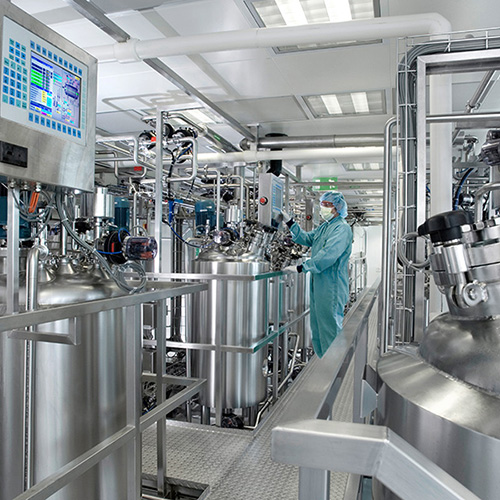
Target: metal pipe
[360, 30]
[466, 117]
[492, 186]
[372, 152]
[135, 153]
[36, 253]
[329, 141]
[194, 161]
[386, 233]
[480, 91]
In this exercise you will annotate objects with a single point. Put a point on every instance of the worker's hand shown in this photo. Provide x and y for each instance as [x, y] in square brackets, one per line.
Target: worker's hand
[290, 269]
[286, 216]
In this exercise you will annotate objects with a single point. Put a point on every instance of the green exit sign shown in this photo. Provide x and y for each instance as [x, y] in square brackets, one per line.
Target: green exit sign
[324, 184]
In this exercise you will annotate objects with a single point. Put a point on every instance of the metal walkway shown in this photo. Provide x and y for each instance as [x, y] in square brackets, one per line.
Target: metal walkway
[236, 464]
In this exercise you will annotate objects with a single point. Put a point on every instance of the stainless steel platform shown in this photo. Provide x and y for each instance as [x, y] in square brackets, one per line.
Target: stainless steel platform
[236, 464]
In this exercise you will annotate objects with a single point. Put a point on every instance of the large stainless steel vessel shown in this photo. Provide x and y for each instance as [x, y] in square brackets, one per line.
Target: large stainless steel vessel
[234, 310]
[78, 397]
[443, 397]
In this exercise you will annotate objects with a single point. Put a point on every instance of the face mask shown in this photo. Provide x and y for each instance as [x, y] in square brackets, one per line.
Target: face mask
[326, 213]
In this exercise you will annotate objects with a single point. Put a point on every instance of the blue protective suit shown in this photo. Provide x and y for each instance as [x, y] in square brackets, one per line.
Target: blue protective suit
[331, 247]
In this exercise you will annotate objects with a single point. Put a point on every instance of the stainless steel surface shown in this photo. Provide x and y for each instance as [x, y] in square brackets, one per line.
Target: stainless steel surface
[366, 450]
[76, 468]
[234, 312]
[54, 160]
[12, 382]
[79, 391]
[467, 350]
[452, 424]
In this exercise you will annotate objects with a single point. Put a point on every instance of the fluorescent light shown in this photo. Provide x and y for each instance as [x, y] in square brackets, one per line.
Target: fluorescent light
[360, 102]
[338, 10]
[292, 12]
[355, 103]
[332, 104]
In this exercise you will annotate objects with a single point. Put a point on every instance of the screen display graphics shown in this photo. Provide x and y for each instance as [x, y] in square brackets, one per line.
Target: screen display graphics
[54, 92]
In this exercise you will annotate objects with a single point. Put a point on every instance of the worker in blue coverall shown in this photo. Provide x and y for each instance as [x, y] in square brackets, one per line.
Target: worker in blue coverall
[331, 244]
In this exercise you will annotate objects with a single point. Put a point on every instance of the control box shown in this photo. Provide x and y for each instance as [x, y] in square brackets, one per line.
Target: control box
[48, 104]
[271, 192]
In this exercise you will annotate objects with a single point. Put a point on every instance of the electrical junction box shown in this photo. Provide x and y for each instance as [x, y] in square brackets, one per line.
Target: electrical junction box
[48, 104]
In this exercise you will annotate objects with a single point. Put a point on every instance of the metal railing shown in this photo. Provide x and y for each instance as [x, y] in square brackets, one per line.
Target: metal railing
[303, 437]
[129, 437]
[272, 335]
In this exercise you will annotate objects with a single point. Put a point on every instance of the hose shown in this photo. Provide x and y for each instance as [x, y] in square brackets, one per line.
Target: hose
[116, 273]
[459, 188]
[418, 266]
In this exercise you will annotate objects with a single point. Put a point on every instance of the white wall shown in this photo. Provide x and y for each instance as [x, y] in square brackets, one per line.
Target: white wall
[373, 253]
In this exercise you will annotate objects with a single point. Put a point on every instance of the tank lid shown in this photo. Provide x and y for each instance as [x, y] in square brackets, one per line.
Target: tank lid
[446, 226]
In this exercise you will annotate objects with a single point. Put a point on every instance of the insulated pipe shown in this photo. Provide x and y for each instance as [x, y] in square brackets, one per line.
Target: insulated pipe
[373, 152]
[360, 30]
[330, 141]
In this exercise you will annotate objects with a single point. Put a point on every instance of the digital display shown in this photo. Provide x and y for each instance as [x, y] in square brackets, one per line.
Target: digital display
[54, 92]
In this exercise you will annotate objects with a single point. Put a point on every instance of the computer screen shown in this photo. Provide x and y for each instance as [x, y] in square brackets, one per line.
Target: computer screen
[54, 91]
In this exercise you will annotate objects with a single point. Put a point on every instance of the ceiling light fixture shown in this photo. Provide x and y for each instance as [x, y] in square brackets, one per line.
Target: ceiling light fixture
[274, 13]
[355, 103]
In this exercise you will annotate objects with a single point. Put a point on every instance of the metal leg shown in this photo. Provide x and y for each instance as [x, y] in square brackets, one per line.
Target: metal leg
[161, 430]
[205, 415]
[220, 386]
[314, 484]
[360, 359]
[276, 325]
[134, 389]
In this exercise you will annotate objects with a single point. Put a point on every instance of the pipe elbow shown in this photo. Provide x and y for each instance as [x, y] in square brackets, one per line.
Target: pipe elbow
[438, 24]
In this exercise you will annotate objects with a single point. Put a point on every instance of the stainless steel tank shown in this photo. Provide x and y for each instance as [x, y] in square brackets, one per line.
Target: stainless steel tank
[79, 392]
[236, 310]
[443, 396]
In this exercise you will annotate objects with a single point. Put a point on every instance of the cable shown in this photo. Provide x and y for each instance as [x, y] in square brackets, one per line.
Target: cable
[459, 188]
[181, 238]
[418, 266]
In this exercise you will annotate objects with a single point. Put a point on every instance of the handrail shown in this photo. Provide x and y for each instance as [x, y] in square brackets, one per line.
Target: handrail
[317, 391]
[369, 450]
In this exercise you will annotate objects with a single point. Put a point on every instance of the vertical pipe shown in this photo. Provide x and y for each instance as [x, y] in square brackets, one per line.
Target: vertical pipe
[12, 251]
[161, 431]
[276, 324]
[31, 305]
[133, 399]
[157, 263]
[386, 238]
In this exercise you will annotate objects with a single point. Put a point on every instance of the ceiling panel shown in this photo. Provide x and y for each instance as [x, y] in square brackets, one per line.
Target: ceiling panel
[120, 122]
[264, 110]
